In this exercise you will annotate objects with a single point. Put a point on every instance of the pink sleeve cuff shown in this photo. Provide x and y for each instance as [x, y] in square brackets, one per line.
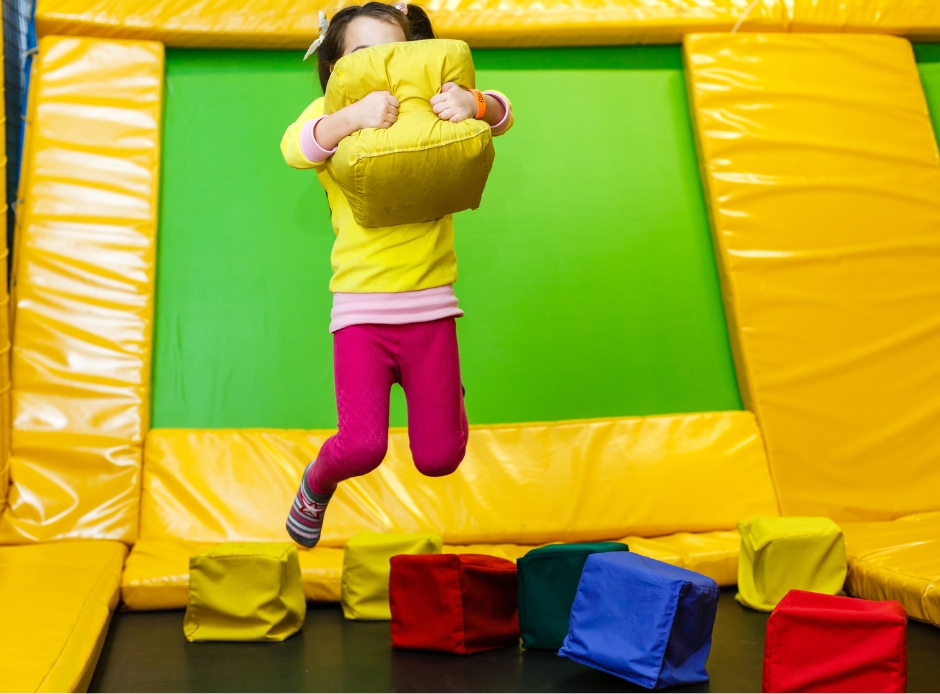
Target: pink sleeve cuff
[502, 125]
[309, 146]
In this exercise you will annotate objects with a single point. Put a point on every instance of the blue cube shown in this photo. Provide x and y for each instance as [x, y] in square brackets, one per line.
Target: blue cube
[640, 619]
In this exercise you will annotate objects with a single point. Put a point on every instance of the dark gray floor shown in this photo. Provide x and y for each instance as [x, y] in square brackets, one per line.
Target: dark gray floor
[147, 652]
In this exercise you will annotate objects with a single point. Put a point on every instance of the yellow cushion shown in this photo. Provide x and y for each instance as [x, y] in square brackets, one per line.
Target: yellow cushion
[782, 554]
[421, 168]
[366, 570]
[55, 602]
[713, 554]
[897, 560]
[644, 476]
[245, 591]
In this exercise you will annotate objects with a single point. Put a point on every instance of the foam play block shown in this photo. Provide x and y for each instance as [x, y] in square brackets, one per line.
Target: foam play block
[640, 619]
[827, 643]
[783, 554]
[245, 591]
[456, 603]
[364, 589]
[548, 582]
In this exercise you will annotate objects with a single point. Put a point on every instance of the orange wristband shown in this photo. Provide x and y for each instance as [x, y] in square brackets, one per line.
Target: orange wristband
[481, 103]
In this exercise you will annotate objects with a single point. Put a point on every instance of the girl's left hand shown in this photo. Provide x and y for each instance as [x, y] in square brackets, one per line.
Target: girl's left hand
[454, 103]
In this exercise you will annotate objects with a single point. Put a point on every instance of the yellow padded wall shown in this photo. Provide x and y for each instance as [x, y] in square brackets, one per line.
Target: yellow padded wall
[4, 316]
[519, 483]
[84, 290]
[823, 183]
[279, 24]
[917, 19]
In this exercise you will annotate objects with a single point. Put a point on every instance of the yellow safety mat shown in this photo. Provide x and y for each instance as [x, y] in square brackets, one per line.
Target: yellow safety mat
[55, 602]
[156, 575]
[823, 184]
[917, 19]
[84, 290]
[277, 24]
[639, 476]
[897, 560]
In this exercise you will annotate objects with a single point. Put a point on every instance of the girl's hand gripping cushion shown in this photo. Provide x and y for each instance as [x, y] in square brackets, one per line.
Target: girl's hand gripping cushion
[421, 168]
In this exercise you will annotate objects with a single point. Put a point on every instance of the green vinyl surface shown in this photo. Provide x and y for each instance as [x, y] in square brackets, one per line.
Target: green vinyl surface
[928, 63]
[587, 275]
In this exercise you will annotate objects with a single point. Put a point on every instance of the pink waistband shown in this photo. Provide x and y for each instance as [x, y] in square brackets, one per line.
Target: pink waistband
[396, 308]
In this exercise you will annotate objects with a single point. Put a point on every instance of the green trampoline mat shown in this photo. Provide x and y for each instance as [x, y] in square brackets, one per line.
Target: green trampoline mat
[587, 275]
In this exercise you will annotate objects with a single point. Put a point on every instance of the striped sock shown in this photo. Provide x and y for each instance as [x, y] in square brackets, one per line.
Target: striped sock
[306, 514]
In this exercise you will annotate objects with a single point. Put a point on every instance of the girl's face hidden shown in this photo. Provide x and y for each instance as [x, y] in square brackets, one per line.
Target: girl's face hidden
[364, 32]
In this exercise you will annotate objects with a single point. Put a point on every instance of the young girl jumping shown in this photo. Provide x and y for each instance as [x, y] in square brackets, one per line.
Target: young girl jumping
[393, 298]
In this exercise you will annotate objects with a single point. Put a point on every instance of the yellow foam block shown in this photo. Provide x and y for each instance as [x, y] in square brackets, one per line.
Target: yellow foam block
[645, 476]
[897, 560]
[915, 20]
[245, 591]
[813, 147]
[276, 24]
[713, 554]
[366, 570]
[421, 168]
[783, 554]
[56, 601]
[86, 246]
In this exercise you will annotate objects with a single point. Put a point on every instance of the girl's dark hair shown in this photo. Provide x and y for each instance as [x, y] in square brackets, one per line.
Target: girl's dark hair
[420, 23]
[415, 25]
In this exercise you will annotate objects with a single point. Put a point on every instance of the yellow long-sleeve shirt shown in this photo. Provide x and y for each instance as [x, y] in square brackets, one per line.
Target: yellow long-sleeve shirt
[400, 258]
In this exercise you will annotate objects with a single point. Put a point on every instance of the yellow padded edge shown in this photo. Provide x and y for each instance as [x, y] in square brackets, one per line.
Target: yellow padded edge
[84, 292]
[897, 560]
[519, 483]
[278, 24]
[917, 19]
[823, 185]
[4, 317]
[53, 629]
[156, 575]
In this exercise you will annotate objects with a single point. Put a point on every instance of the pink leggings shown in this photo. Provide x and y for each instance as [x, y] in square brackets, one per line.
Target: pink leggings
[367, 360]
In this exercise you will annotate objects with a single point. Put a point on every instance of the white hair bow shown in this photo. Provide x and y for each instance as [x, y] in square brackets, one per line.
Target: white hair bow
[324, 25]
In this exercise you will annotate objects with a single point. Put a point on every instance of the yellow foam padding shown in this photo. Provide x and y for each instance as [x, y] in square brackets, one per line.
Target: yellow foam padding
[645, 476]
[364, 592]
[245, 591]
[86, 243]
[783, 554]
[277, 24]
[421, 168]
[813, 147]
[56, 601]
[713, 554]
[4, 324]
[915, 20]
[897, 560]
[156, 575]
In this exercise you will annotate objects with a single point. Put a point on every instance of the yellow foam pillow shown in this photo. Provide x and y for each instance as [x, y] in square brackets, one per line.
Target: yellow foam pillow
[245, 591]
[421, 168]
[783, 554]
[364, 590]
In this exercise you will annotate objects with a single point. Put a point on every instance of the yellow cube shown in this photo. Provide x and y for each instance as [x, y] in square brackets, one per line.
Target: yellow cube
[364, 592]
[245, 591]
[782, 554]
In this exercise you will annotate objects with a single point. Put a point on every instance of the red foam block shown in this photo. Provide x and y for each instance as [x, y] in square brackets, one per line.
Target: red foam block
[456, 603]
[827, 643]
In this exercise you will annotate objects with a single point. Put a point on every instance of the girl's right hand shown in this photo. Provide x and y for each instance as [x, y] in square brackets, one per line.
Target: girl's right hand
[376, 110]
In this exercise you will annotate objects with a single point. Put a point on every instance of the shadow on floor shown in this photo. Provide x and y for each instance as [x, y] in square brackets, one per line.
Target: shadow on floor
[146, 652]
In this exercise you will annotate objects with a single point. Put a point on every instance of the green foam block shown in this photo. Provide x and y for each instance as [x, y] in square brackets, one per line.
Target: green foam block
[548, 582]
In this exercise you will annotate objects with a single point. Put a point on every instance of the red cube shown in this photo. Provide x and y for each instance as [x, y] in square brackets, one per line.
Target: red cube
[456, 603]
[826, 643]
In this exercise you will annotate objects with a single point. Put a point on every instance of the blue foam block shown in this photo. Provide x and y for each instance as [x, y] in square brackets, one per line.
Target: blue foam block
[640, 619]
